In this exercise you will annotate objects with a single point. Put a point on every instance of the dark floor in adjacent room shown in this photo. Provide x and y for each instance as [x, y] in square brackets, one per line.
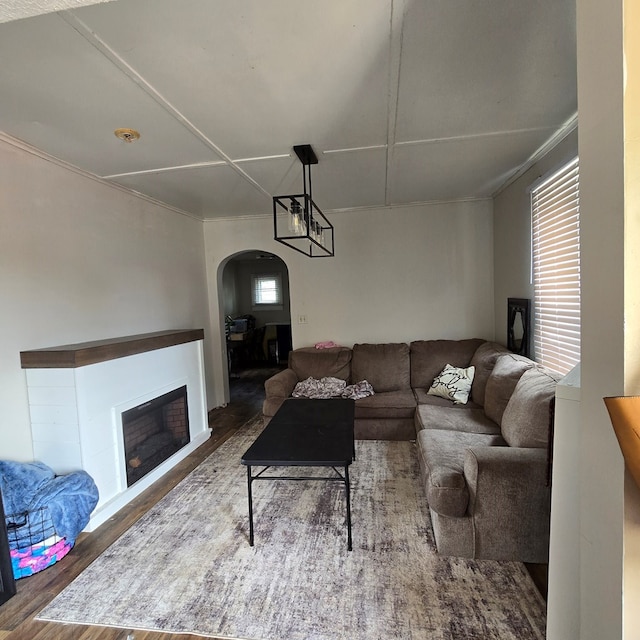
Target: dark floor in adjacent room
[246, 391]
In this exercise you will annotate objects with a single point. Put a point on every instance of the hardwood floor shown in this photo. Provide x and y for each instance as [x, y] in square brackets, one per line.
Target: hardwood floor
[17, 614]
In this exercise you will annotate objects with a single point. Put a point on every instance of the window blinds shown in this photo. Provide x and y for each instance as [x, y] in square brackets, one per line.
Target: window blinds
[555, 209]
[267, 290]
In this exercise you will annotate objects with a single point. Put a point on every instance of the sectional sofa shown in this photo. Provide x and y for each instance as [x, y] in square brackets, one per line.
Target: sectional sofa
[484, 463]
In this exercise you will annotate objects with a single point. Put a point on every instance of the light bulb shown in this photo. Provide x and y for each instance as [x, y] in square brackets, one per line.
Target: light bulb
[295, 218]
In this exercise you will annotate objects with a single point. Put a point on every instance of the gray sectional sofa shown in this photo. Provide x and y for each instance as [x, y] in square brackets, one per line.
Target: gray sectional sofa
[484, 464]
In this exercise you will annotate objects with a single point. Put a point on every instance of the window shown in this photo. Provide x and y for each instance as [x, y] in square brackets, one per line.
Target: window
[555, 214]
[267, 290]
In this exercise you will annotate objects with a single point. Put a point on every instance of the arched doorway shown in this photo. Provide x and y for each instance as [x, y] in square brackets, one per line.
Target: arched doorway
[255, 310]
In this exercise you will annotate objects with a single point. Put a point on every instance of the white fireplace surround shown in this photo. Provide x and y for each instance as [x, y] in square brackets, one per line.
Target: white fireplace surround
[76, 418]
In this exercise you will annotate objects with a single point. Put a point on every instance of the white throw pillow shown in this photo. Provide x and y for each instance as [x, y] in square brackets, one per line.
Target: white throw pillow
[453, 383]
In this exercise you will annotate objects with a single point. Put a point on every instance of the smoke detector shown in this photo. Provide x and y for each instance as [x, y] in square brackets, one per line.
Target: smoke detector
[128, 135]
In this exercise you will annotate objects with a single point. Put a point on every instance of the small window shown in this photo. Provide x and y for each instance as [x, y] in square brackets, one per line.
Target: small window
[267, 291]
[555, 210]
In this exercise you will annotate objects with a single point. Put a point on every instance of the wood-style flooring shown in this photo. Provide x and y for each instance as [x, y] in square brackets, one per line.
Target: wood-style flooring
[17, 614]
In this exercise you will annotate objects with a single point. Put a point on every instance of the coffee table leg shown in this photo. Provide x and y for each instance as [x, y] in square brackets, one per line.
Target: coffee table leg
[347, 488]
[249, 481]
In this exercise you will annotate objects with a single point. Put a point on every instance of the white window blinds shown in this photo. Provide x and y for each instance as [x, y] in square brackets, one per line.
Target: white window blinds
[555, 210]
[267, 289]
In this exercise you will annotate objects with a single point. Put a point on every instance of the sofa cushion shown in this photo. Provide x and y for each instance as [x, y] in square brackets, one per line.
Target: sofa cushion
[384, 366]
[443, 454]
[484, 359]
[428, 358]
[525, 421]
[310, 362]
[384, 429]
[467, 419]
[388, 404]
[501, 383]
[453, 383]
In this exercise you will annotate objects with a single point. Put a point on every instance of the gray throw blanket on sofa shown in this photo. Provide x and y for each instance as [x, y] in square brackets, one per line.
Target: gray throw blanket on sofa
[329, 387]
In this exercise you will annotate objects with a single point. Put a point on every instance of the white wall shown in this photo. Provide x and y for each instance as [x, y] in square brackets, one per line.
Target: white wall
[563, 596]
[81, 260]
[601, 149]
[398, 275]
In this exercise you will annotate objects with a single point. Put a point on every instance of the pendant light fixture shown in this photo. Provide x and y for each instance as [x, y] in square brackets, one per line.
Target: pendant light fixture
[297, 221]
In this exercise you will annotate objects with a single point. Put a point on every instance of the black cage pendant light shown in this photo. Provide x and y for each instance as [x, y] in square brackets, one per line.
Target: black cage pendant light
[297, 221]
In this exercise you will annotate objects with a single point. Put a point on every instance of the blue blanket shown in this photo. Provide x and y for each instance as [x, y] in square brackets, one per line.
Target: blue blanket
[33, 487]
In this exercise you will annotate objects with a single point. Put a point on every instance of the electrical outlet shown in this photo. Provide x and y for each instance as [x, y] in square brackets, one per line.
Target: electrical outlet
[302, 319]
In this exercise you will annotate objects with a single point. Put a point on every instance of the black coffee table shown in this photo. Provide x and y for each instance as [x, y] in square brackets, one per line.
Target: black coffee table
[305, 433]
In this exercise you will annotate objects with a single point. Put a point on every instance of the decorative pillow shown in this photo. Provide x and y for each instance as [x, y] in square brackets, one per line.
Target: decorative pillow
[453, 383]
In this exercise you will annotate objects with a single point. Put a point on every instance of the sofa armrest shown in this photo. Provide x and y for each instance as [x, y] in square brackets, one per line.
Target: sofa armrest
[509, 502]
[281, 385]
[277, 389]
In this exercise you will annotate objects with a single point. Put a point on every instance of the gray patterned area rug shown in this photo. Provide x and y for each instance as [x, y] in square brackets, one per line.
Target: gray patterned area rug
[186, 566]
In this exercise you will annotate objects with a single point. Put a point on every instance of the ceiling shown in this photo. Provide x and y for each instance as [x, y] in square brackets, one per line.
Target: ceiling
[404, 101]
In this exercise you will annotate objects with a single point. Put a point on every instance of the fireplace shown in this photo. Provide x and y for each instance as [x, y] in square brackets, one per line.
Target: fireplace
[77, 397]
[154, 431]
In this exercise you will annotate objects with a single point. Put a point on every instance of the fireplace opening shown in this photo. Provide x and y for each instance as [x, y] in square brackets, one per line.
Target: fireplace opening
[154, 431]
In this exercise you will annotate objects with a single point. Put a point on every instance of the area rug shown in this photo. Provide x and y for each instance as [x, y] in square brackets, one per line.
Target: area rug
[186, 566]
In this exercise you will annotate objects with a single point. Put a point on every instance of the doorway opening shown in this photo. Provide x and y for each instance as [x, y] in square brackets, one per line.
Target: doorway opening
[255, 306]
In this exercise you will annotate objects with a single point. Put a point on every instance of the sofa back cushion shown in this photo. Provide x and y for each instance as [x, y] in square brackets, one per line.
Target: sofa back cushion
[310, 362]
[501, 383]
[384, 366]
[429, 357]
[525, 421]
[484, 359]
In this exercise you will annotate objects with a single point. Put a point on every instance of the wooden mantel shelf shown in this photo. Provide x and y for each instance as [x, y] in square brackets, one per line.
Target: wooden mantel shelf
[71, 356]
